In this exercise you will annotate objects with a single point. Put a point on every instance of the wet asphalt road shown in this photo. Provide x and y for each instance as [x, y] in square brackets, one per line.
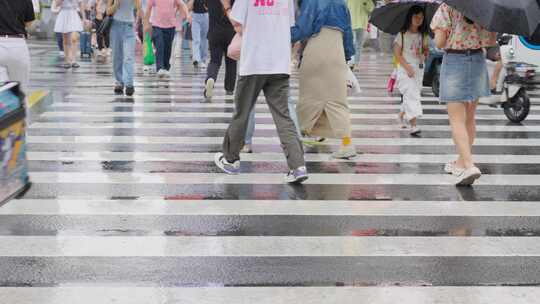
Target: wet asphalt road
[86, 136]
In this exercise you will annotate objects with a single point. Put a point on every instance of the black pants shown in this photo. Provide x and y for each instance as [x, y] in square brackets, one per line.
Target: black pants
[103, 40]
[218, 48]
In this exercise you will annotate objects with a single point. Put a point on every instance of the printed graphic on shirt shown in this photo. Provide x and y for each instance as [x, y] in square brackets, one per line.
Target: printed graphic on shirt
[272, 7]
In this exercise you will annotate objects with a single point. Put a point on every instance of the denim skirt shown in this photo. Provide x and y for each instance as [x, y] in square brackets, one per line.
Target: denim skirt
[464, 78]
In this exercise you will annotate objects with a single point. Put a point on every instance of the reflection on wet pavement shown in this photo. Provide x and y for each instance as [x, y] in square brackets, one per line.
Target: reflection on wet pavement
[126, 195]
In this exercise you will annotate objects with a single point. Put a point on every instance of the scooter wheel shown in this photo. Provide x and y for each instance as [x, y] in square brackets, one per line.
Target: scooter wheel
[517, 109]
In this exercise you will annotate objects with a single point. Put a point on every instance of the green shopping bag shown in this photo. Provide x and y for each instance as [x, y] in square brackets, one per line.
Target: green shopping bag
[149, 57]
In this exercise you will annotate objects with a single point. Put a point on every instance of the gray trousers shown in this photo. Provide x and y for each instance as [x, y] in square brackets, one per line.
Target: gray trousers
[276, 91]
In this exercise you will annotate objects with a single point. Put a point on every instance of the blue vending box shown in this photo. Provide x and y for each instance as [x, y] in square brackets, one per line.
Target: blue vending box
[13, 164]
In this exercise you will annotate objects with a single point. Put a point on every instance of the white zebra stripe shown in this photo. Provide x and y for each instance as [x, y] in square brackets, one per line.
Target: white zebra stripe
[275, 157]
[260, 126]
[77, 114]
[272, 141]
[156, 206]
[271, 295]
[268, 246]
[134, 178]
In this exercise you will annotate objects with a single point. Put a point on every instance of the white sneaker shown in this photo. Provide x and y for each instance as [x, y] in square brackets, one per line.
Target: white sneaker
[451, 168]
[414, 130]
[202, 65]
[468, 176]
[297, 176]
[161, 73]
[209, 88]
[167, 74]
[61, 54]
[225, 166]
[345, 152]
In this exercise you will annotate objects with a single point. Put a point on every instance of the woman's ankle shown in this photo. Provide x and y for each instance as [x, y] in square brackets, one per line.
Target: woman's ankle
[346, 141]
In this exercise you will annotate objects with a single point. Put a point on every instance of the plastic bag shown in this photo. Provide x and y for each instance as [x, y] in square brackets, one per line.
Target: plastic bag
[148, 50]
[392, 82]
[353, 86]
[235, 47]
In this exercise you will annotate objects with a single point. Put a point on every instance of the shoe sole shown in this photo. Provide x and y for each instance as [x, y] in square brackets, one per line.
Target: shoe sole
[210, 88]
[299, 180]
[346, 157]
[415, 133]
[469, 180]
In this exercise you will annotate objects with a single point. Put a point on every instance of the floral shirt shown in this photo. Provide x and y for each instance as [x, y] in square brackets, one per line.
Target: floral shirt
[461, 35]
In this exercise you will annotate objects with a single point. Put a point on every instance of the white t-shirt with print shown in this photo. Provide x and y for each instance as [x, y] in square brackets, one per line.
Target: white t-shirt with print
[412, 51]
[266, 37]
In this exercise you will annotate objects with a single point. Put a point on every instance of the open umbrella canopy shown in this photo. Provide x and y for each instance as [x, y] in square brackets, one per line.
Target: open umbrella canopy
[520, 17]
[391, 17]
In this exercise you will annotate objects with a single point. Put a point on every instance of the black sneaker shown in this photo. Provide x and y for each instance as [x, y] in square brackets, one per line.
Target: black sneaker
[196, 64]
[119, 90]
[130, 91]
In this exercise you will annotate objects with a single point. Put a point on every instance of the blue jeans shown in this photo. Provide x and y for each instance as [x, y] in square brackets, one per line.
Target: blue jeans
[163, 39]
[85, 43]
[251, 123]
[199, 31]
[464, 78]
[123, 50]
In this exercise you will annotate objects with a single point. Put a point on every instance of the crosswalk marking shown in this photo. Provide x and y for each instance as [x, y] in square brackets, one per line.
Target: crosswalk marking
[273, 157]
[272, 140]
[272, 295]
[157, 206]
[268, 246]
[127, 205]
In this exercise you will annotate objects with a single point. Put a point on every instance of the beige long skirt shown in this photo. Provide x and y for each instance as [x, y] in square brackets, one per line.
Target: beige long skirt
[322, 108]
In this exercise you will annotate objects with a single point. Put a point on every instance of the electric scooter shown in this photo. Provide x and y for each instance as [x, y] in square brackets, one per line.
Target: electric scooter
[515, 80]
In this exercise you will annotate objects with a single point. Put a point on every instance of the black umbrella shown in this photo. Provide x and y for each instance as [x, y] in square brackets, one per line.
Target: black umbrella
[391, 17]
[520, 17]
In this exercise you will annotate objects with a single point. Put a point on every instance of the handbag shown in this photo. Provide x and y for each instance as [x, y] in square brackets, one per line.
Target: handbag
[235, 47]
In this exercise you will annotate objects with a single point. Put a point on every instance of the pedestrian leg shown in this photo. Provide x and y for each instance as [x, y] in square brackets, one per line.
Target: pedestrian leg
[359, 43]
[250, 131]
[128, 49]
[276, 91]
[118, 53]
[204, 37]
[248, 90]
[158, 39]
[457, 113]
[196, 30]
[216, 56]
[168, 42]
